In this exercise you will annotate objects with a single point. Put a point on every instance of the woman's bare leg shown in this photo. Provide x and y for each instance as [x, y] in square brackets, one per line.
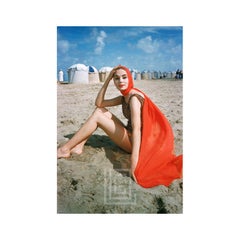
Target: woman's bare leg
[102, 118]
[78, 149]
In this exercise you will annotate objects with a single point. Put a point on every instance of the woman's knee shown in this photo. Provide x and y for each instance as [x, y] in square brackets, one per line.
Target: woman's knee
[100, 110]
[100, 113]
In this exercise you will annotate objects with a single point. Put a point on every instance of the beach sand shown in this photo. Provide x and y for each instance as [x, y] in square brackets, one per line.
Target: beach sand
[97, 181]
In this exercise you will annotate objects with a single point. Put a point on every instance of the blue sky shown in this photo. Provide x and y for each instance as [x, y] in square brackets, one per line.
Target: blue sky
[141, 48]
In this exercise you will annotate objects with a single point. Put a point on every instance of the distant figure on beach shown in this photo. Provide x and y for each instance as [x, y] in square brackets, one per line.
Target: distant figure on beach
[179, 74]
[147, 137]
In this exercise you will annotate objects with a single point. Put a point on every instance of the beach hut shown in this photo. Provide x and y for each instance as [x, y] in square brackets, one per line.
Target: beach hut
[133, 73]
[160, 75]
[169, 75]
[155, 75]
[104, 72]
[173, 74]
[138, 76]
[78, 73]
[164, 74]
[144, 75]
[60, 76]
[93, 75]
[149, 75]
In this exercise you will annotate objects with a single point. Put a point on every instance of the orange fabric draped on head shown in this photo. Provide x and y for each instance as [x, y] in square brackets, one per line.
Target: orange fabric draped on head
[157, 164]
[130, 81]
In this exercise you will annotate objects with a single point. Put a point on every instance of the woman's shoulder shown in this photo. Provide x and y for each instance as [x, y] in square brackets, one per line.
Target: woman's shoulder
[138, 95]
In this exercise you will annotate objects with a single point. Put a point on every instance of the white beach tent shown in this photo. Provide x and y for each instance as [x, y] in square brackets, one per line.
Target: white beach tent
[155, 75]
[174, 74]
[78, 73]
[149, 75]
[93, 75]
[104, 72]
[134, 73]
[138, 76]
[169, 75]
[60, 76]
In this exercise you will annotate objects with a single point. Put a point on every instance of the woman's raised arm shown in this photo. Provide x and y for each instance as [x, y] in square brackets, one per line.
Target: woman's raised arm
[100, 101]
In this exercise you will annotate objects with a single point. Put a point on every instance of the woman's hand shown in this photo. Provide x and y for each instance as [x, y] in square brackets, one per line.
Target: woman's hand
[100, 101]
[111, 74]
[133, 161]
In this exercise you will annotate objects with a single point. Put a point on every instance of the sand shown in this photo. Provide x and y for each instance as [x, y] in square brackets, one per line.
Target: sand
[98, 181]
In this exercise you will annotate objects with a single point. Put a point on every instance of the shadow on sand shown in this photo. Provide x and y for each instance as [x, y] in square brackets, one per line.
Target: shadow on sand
[118, 157]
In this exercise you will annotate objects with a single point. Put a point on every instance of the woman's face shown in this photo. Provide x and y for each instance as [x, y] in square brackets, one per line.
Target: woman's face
[121, 79]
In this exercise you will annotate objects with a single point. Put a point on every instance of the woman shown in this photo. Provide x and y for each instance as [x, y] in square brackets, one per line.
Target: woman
[147, 137]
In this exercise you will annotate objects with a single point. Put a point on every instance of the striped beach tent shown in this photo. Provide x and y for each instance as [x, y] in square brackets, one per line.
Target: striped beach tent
[93, 75]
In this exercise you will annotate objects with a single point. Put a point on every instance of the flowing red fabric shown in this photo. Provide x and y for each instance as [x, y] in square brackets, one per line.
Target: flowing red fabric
[157, 164]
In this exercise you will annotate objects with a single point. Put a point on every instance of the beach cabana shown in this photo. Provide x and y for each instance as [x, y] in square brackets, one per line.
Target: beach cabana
[93, 75]
[155, 75]
[78, 73]
[149, 75]
[138, 76]
[169, 75]
[60, 76]
[160, 75]
[104, 72]
[173, 74]
[134, 73]
[144, 75]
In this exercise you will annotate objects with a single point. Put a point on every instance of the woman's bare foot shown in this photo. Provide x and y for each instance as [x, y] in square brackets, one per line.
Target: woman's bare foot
[63, 153]
[77, 149]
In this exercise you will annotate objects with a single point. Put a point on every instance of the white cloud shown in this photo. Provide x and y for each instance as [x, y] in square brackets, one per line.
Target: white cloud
[100, 42]
[63, 46]
[148, 45]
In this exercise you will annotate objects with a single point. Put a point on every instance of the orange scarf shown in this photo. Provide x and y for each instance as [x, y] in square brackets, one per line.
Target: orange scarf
[157, 164]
